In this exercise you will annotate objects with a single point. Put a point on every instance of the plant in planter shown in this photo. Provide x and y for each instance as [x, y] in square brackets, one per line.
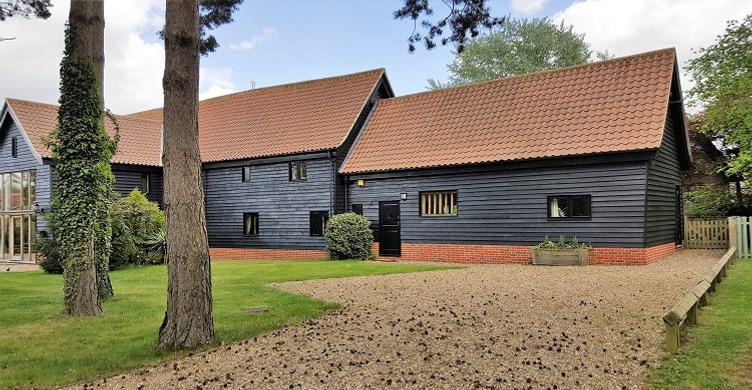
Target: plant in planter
[561, 253]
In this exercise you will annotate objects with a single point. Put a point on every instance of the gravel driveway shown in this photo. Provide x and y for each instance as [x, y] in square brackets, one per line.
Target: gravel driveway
[500, 326]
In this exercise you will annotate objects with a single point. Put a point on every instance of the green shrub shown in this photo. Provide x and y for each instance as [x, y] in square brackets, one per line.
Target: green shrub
[156, 246]
[349, 236]
[137, 225]
[709, 201]
[135, 220]
[52, 263]
[562, 244]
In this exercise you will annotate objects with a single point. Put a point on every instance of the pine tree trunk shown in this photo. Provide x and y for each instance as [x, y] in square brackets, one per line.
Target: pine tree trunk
[188, 320]
[87, 17]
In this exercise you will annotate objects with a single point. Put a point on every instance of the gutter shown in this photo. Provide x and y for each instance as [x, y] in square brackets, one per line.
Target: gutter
[333, 188]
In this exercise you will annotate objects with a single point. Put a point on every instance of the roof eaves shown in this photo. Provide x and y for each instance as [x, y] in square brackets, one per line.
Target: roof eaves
[363, 106]
[344, 170]
[362, 131]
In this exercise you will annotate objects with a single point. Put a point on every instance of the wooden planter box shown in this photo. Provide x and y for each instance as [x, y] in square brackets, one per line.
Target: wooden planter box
[560, 257]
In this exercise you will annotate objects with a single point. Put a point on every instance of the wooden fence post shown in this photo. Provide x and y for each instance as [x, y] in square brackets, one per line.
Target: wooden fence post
[672, 338]
[732, 233]
[686, 232]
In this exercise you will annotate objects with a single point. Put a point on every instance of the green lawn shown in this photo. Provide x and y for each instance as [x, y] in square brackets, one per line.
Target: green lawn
[39, 347]
[719, 352]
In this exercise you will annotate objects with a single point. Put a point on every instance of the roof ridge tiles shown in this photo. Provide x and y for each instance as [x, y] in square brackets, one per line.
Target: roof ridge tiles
[438, 92]
[276, 86]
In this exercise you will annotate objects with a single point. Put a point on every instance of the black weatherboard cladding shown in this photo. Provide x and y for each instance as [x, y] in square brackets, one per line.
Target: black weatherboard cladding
[663, 177]
[128, 178]
[507, 205]
[283, 206]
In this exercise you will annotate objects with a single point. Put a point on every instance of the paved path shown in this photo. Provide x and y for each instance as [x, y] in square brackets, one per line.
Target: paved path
[507, 326]
[6, 266]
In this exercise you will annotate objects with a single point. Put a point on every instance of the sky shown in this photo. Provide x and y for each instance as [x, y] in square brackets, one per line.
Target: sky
[281, 41]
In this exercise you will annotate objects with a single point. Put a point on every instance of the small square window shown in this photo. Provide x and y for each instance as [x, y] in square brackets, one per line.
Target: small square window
[357, 209]
[318, 222]
[298, 171]
[247, 174]
[568, 206]
[435, 204]
[14, 147]
[145, 183]
[250, 224]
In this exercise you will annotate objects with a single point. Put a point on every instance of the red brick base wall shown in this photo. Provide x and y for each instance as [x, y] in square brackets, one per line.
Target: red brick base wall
[267, 254]
[631, 256]
[460, 253]
[509, 254]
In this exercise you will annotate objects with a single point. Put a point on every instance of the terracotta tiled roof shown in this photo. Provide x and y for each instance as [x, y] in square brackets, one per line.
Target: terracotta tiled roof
[140, 139]
[287, 119]
[611, 106]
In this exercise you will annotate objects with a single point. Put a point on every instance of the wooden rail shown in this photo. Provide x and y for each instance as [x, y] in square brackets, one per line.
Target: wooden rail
[685, 311]
[706, 233]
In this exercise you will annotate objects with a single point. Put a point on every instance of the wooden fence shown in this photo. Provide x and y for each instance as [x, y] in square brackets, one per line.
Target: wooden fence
[685, 311]
[740, 235]
[706, 233]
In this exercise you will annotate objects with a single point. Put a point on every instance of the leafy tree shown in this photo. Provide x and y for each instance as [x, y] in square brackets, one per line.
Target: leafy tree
[711, 201]
[519, 46]
[723, 76]
[25, 8]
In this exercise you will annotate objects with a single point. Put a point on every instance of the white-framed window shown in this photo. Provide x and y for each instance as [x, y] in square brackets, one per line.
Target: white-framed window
[250, 224]
[298, 171]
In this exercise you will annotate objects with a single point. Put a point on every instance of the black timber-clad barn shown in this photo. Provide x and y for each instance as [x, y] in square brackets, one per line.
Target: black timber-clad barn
[477, 173]
[593, 152]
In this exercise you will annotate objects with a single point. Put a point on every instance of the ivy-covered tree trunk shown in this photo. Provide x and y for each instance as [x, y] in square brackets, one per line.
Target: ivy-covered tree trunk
[188, 320]
[103, 240]
[87, 16]
[74, 211]
[82, 149]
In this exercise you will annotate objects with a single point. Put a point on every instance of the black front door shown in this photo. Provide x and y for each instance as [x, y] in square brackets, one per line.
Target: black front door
[389, 228]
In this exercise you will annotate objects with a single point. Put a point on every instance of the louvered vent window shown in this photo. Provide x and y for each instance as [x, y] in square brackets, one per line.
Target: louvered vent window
[440, 203]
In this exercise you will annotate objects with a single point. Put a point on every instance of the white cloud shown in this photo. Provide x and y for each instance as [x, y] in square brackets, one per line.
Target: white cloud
[133, 65]
[528, 7]
[266, 34]
[629, 27]
[215, 82]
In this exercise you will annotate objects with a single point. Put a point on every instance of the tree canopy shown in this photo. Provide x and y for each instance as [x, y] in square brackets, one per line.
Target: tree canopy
[212, 14]
[463, 18]
[25, 8]
[723, 89]
[519, 46]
